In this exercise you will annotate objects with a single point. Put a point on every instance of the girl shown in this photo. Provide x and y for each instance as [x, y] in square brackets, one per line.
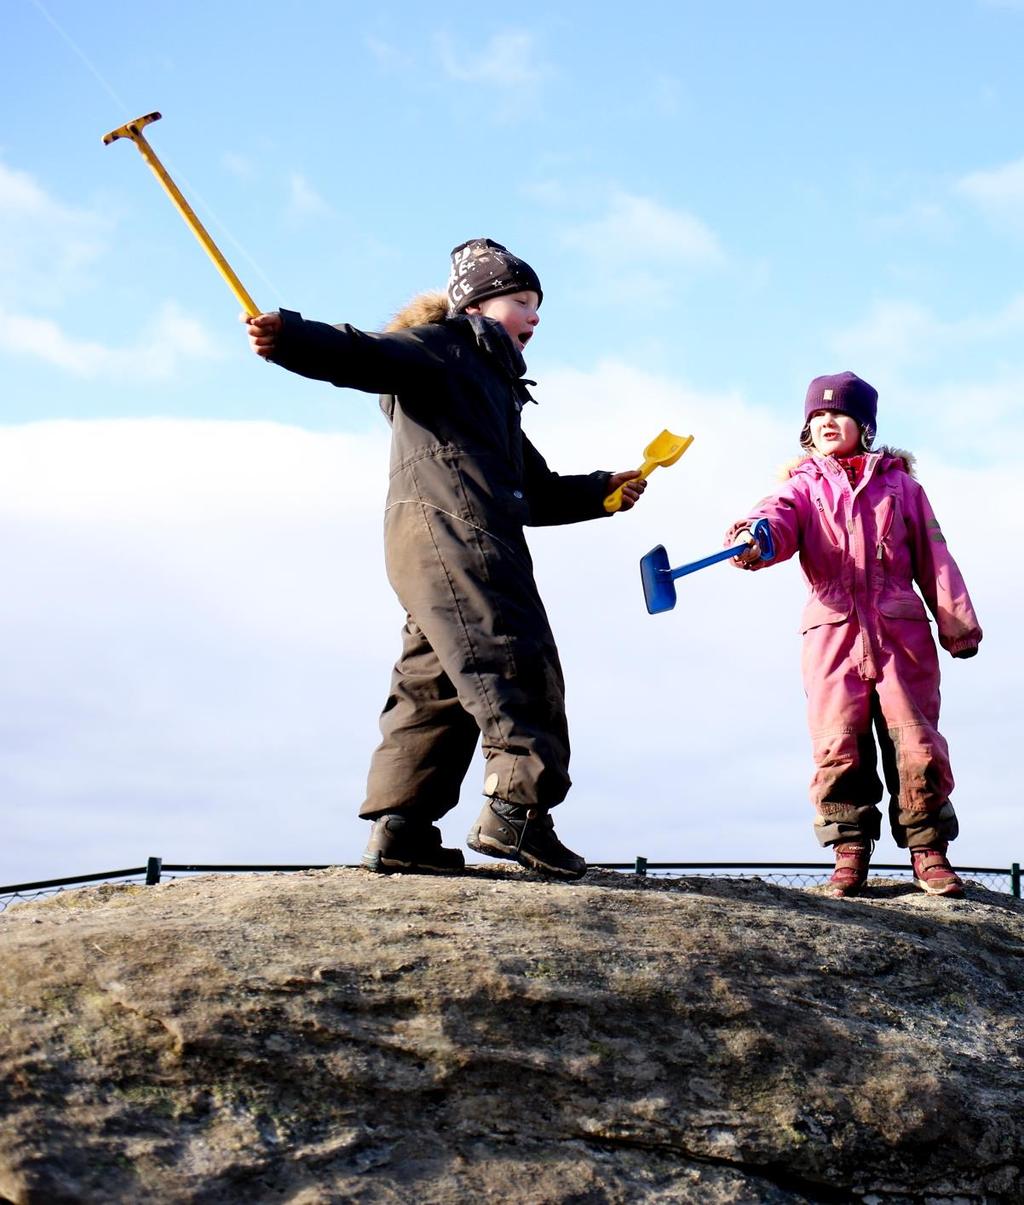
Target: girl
[866, 533]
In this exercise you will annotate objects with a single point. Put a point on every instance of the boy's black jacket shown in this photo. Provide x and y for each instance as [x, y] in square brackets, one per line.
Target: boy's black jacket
[453, 393]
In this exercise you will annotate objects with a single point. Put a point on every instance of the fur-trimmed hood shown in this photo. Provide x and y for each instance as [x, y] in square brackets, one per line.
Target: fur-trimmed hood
[423, 310]
[432, 309]
[906, 460]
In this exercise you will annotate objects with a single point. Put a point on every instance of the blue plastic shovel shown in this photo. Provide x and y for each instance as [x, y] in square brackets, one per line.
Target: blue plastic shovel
[659, 579]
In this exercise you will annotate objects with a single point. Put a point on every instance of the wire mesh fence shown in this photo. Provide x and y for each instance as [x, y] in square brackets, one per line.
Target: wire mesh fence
[814, 874]
[20, 893]
[1006, 880]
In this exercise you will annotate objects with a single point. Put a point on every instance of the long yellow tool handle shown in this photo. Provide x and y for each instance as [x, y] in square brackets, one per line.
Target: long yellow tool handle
[133, 130]
[614, 499]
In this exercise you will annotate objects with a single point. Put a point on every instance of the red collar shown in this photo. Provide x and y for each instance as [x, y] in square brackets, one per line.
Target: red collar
[852, 466]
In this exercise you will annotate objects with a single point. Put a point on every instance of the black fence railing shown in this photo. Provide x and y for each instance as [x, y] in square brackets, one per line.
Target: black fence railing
[794, 874]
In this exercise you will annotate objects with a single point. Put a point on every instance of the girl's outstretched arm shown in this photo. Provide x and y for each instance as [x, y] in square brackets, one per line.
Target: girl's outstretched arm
[784, 511]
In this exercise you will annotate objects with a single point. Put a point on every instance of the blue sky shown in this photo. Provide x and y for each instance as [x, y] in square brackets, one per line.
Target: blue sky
[722, 201]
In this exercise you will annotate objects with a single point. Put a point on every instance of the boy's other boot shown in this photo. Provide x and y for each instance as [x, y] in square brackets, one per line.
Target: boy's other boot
[853, 858]
[402, 845]
[932, 871]
[525, 835]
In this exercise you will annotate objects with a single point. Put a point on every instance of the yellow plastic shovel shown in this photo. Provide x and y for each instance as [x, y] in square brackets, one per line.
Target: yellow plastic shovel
[664, 450]
[133, 130]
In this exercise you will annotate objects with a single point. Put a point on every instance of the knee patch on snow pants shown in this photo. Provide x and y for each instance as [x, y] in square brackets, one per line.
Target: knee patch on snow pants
[847, 822]
[846, 787]
[917, 830]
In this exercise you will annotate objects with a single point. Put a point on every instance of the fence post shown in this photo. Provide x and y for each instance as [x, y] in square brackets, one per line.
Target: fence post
[641, 867]
[1015, 879]
[153, 871]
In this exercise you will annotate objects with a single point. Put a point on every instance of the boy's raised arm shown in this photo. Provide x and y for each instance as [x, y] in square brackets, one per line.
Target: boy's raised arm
[342, 355]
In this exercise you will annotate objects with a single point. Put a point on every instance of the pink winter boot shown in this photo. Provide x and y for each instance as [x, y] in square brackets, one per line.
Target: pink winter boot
[933, 873]
[852, 861]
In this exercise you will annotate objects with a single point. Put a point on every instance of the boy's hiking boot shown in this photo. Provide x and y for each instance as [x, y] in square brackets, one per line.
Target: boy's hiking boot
[933, 873]
[525, 835]
[400, 845]
[852, 861]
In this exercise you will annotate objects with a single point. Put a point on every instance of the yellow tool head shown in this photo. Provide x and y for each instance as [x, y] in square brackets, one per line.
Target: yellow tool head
[131, 129]
[666, 448]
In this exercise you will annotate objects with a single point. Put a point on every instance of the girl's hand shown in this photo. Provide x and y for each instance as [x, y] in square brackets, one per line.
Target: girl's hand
[262, 331]
[633, 485]
[751, 554]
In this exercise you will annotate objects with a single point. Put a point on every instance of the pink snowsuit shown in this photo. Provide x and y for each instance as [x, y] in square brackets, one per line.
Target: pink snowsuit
[868, 654]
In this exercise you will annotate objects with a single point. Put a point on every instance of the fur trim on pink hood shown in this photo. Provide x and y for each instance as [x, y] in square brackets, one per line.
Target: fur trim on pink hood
[908, 458]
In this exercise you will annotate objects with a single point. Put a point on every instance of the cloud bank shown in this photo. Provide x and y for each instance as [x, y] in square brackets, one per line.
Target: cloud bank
[198, 634]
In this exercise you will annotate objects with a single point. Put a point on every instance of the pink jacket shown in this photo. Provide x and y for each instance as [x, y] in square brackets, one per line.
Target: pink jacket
[862, 549]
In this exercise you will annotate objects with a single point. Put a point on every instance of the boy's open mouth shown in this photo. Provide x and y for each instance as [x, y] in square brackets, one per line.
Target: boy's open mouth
[525, 338]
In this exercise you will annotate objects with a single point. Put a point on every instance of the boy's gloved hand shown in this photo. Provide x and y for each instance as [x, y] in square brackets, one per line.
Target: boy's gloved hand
[262, 331]
[633, 485]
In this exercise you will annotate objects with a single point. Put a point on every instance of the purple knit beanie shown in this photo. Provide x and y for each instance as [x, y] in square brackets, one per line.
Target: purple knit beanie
[482, 268]
[845, 393]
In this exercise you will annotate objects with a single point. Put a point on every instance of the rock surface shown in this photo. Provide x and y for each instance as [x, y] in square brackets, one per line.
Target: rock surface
[333, 1036]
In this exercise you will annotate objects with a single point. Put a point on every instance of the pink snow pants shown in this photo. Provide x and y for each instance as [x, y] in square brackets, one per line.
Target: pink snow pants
[891, 683]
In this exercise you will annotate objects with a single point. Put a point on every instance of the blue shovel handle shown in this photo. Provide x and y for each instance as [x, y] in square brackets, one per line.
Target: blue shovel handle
[658, 578]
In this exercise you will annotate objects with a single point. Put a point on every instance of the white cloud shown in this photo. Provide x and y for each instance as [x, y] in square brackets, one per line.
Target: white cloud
[639, 230]
[998, 193]
[303, 199]
[170, 471]
[48, 251]
[197, 635]
[978, 393]
[509, 59]
[891, 332]
[974, 419]
[239, 165]
[666, 95]
[388, 55]
[641, 248]
[46, 246]
[172, 337]
[897, 332]
[552, 192]
[920, 218]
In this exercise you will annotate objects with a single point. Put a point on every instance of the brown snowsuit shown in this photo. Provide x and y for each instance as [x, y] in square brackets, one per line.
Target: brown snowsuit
[478, 656]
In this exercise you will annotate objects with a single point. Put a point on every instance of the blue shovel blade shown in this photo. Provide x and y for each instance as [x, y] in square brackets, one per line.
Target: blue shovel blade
[659, 588]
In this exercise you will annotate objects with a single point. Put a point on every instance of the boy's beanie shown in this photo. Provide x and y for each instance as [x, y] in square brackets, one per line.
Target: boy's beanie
[482, 268]
[845, 393]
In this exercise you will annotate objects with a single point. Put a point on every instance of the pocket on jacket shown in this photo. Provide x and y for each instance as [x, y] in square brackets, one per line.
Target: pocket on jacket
[819, 612]
[904, 604]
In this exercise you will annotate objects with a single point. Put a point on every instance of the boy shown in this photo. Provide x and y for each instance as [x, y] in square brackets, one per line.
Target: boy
[478, 657]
